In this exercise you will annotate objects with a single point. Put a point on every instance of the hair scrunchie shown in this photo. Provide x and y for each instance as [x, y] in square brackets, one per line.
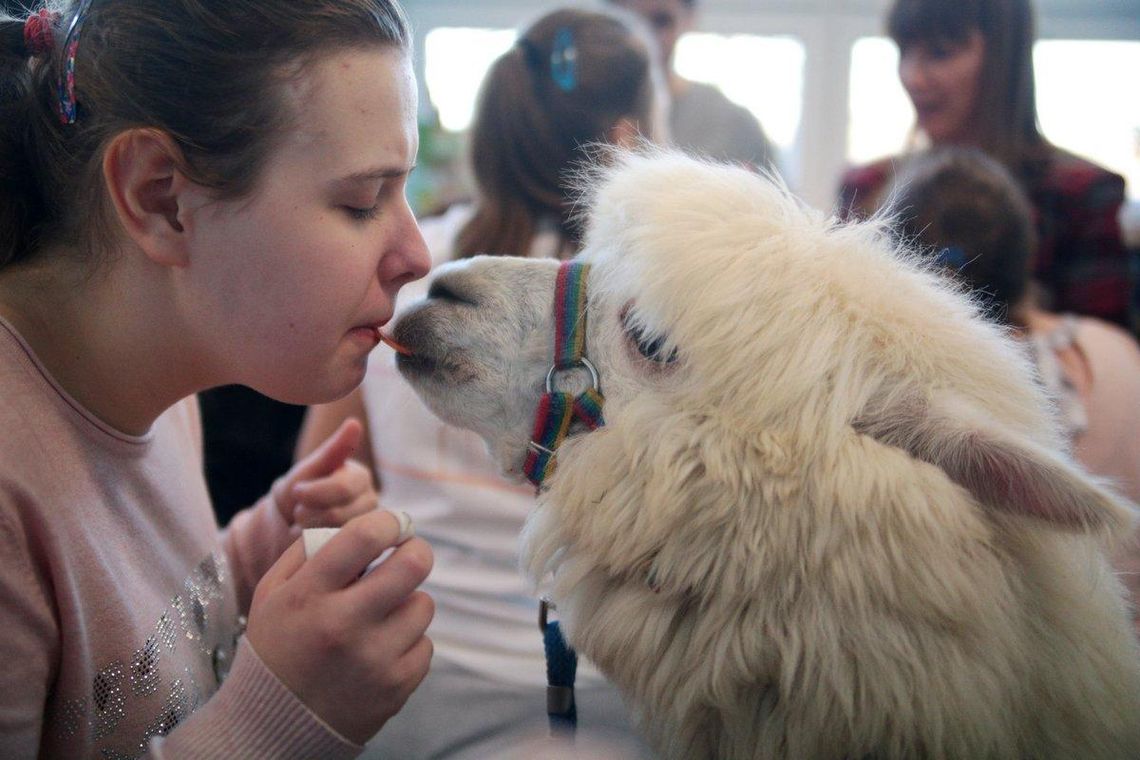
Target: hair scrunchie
[39, 39]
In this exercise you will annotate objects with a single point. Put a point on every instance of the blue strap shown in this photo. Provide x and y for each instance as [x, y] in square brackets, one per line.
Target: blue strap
[561, 668]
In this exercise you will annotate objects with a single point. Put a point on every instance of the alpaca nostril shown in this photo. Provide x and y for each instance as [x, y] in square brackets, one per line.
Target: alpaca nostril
[442, 291]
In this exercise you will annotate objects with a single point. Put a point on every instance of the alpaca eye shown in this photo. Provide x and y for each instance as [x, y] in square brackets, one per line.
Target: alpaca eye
[652, 347]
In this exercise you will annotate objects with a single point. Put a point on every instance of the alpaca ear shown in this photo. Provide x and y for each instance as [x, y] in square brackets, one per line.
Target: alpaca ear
[1005, 472]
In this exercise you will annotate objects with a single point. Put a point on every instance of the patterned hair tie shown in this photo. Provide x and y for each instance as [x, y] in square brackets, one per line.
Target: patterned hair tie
[68, 104]
[39, 39]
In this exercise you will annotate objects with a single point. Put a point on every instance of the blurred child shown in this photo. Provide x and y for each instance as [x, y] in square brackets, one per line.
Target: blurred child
[701, 118]
[968, 210]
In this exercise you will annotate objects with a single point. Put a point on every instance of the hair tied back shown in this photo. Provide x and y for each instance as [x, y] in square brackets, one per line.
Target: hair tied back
[39, 33]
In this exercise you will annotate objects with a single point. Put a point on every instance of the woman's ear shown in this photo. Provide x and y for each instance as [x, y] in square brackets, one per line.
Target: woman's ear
[625, 134]
[148, 191]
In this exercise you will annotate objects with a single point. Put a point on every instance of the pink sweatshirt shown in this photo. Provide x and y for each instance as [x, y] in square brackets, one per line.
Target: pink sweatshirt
[120, 599]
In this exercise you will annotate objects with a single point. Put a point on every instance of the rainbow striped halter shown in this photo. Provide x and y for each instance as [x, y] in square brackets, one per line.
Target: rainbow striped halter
[558, 409]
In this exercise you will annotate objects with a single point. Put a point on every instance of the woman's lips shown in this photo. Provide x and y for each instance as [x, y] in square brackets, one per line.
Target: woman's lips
[366, 333]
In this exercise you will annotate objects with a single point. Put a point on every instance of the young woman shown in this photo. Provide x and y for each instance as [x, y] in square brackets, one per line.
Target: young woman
[536, 118]
[194, 194]
[968, 69]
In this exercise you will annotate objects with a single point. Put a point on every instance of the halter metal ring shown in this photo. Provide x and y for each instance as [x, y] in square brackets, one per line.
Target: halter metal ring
[582, 362]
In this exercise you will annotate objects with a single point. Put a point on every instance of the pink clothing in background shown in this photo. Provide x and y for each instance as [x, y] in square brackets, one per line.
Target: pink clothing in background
[120, 600]
[1110, 446]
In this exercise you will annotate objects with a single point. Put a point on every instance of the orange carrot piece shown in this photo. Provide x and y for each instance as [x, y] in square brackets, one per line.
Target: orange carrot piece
[400, 349]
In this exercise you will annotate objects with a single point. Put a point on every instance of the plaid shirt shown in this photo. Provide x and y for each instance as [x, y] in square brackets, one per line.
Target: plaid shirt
[1081, 261]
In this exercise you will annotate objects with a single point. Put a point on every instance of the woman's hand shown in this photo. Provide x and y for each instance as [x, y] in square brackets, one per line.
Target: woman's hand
[351, 648]
[327, 488]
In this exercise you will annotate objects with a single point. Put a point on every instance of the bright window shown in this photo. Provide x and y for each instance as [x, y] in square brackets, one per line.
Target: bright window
[455, 61]
[879, 116]
[1087, 102]
[1077, 107]
[763, 74]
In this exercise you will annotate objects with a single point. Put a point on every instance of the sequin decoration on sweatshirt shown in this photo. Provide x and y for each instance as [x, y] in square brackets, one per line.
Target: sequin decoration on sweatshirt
[161, 682]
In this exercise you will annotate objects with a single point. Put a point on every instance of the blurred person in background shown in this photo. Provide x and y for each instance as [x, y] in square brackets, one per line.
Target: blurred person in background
[967, 67]
[701, 119]
[964, 208]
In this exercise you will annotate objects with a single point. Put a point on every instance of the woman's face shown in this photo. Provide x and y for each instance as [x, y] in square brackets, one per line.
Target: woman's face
[943, 80]
[292, 281]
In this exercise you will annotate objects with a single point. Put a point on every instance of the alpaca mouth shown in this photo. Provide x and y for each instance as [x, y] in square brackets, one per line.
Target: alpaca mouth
[444, 371]
[429, 355]
[413, 330]
[416, 363]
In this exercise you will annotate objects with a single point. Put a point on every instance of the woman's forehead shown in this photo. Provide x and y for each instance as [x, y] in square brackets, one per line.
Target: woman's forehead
[353, 106]
[925, 21]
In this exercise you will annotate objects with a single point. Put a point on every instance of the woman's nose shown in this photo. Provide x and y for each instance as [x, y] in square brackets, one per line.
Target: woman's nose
[912, 72]
[409, 258]
[419, 257]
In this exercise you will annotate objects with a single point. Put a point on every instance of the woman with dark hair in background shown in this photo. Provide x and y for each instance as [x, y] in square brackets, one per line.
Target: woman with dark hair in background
[967, 67]
[574, 79]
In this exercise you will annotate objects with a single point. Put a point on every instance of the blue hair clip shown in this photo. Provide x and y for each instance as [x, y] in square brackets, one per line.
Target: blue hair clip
[564, 60]
[952, 257]
[68, 104]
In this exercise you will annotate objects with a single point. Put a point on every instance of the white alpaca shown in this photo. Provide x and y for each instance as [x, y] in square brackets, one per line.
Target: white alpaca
[837, 522]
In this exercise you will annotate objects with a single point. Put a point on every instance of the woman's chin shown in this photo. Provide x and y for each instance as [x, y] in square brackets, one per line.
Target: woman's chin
[939, 132]
[326, 387]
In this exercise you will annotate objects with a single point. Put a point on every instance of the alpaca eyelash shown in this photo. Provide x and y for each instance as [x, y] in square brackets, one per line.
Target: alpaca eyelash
[649, 346]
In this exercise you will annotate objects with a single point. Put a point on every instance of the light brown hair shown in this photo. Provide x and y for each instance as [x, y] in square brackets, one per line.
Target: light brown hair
[529, 132]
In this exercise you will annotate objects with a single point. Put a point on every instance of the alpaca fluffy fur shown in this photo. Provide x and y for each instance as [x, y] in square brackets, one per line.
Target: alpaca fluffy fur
[841, 524]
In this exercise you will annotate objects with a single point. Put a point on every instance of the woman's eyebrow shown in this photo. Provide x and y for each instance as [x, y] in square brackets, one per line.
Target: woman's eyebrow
[378, 173]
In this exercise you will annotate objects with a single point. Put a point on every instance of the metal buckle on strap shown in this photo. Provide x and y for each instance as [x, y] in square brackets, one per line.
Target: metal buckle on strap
[539, 448]
[560, 700]
[582, 362]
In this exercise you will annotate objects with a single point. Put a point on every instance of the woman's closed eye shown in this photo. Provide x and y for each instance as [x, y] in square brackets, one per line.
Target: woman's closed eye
[362, 214]
[365, 208]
